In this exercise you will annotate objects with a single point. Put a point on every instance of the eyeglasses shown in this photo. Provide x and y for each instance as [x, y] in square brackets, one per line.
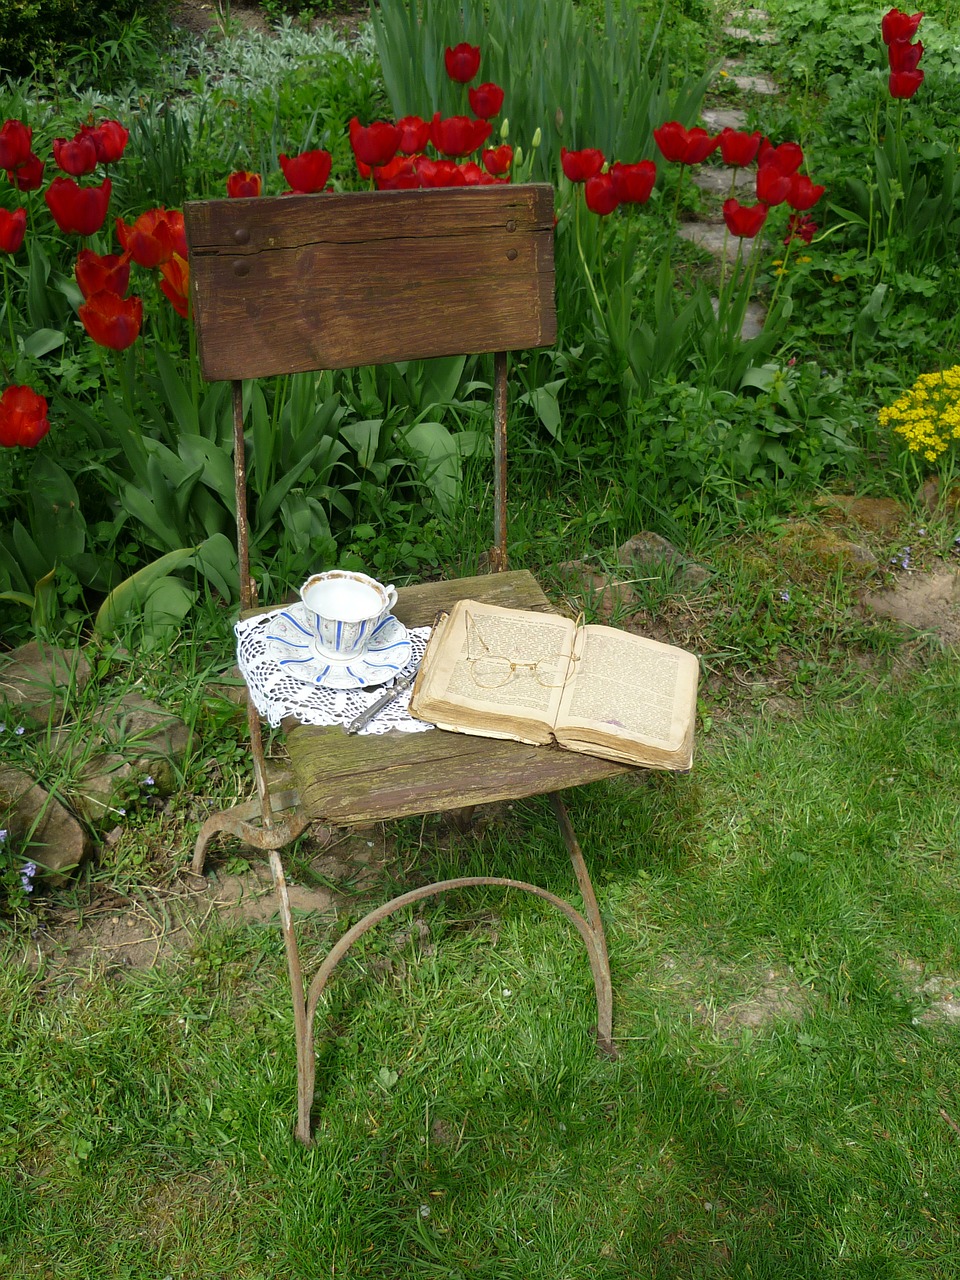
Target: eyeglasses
[491, 670]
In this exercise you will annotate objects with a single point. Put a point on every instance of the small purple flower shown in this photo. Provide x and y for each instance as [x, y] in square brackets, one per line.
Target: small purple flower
[3, 834]
[27, 873]
[148, 782]
[785, 597]
[3, 728]
[122, 813]
[19, 731]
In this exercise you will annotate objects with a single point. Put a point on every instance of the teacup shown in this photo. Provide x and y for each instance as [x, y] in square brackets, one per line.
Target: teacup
[344, 609]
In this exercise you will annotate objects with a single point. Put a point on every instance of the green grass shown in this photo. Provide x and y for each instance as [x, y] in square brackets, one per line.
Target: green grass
[782, 921]
[778, 1108]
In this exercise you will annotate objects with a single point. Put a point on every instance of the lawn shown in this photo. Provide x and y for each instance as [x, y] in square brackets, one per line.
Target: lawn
[782, 920]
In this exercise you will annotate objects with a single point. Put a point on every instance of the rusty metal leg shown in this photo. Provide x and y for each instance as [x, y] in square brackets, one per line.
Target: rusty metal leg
[306, 1056]
[602, 977]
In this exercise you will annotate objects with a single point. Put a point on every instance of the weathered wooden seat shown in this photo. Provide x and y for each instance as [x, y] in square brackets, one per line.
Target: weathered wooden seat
[349, 780]
[310, 282]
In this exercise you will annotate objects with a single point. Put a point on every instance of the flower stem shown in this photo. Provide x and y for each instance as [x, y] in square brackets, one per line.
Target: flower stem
[583, 259]
[676, 213]
[9, 310]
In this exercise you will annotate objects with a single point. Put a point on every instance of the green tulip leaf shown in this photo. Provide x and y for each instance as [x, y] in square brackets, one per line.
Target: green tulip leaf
[132, 592]
[42, 341]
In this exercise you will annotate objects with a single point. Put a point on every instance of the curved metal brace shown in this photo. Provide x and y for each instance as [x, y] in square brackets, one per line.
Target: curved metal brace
[236, 822]
[593, 940]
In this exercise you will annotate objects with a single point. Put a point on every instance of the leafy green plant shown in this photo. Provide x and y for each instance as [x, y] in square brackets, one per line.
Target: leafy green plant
[32, 31]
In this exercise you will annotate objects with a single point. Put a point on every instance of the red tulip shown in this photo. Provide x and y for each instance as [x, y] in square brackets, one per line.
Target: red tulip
[773, 187]
[23, 418]
[904, 84]
[744, 220]
[175, 284]
[600, 194]
[151, 239]
[578, 166]
[307, 172]
[786, 159]
[77, 157]
[110, 139]
[800, 227]
[497, 160]
[94, 273]
[15, 139]
[632, 183]
[899, 26]
[399, 175]
[686, 146]
[804, 194]
[737, 148]
[29, 175]
[904, 56]
[242, 183]
[439, 173]
[414, 134]
[112, 321]
[76, 209]
[462, 62]
[178, 231]
[458, 135]
[13, 227]
[374, 144]
[486, 100]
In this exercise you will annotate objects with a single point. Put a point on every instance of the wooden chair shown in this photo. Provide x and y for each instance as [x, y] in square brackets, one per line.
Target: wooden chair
[300, 283]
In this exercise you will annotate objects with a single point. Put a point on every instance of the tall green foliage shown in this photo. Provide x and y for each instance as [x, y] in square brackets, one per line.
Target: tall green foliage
[31, 30]
[580, 84]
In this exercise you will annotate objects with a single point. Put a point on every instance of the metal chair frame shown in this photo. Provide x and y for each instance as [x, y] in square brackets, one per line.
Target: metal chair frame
[233, 258]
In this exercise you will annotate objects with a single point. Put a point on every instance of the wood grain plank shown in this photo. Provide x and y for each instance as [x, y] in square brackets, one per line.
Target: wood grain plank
[349, 780]
[289, 284]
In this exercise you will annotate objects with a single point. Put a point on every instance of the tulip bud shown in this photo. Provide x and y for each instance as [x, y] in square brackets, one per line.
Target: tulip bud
[537, 138]
[505, 131]
[518, 157]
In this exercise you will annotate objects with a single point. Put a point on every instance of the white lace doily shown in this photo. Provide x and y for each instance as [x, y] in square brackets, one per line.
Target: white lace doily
[276, 694]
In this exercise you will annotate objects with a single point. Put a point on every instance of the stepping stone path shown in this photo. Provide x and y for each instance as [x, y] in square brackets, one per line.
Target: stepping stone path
[745, 83]
[713, 180]
[757, 33]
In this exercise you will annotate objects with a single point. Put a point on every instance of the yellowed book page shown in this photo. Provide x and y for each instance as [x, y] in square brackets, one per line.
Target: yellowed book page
[632, 687]
[506, 661]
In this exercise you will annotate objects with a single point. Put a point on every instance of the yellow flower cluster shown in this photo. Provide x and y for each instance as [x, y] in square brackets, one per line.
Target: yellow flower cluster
[928, 415]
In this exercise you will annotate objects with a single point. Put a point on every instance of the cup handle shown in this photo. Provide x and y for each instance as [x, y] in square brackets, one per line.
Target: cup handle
[391, 592]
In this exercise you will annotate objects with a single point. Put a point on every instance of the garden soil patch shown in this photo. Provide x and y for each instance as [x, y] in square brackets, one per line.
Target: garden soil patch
[924, 602]
[160, 925]
[201, 18]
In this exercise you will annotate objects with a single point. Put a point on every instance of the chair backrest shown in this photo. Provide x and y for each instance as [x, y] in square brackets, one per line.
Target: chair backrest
[288, 284]
[293, 283]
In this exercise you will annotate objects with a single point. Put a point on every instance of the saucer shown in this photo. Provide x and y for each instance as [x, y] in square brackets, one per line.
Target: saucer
[291, 645]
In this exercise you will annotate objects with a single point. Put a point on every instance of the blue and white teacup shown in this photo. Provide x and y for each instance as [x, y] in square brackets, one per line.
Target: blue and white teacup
[343, 610]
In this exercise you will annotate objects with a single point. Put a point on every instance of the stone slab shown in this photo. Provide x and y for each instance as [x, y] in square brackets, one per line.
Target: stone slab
[717, 181]
[715, 119]
[749, 35]
[712, 236]
[36, 678]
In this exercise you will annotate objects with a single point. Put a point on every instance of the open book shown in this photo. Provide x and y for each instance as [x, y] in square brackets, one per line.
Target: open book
[539, 678]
